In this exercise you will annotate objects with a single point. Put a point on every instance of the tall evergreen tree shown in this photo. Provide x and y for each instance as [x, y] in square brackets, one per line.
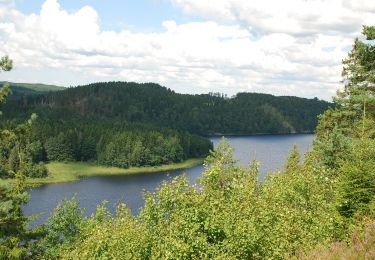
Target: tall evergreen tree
[14, 235]
[359, 76]
[346, 134]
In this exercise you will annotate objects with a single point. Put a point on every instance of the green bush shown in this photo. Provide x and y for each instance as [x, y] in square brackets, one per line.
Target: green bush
[229, 215]
[36, 170]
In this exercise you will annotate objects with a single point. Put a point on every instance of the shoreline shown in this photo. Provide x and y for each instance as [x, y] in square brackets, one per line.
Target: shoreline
[60, 172]
[257, 134]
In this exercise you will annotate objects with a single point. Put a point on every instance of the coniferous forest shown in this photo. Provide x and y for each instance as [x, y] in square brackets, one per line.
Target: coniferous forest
[205, 114]
[128, 124]
[321, 207]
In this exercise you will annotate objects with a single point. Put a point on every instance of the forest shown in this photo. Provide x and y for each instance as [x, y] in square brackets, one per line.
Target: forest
[125, 124]
[104, 142]
[205, 114]
[322, 207]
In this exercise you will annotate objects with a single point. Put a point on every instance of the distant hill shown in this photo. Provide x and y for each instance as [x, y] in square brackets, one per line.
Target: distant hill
[21, 89]
[206, 114]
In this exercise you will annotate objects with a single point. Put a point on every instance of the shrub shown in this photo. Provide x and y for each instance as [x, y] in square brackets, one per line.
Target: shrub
[35, 170]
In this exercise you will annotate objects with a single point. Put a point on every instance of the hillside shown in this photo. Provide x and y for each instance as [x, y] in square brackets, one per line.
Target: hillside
[19, 90]
[245, 113]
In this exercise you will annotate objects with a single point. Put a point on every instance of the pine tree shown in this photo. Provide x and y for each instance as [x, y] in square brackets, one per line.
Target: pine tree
[345, 134]
[13, 224]
[359, 77]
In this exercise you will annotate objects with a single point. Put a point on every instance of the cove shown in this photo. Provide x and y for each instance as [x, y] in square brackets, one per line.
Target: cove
[270, 150]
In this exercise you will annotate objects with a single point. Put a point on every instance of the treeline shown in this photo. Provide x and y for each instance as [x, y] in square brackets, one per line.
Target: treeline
[127, 124]
[62, 134]
[19, 152]
[105, 142]
[102, 141]
[20, 90]
[245, 113]
[116, 144]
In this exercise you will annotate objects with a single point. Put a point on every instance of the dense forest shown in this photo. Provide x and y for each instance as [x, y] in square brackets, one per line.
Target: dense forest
[105, 142]
[245, 113]
[320, 208]
[115, 143]
[128, 124]
[63, 135]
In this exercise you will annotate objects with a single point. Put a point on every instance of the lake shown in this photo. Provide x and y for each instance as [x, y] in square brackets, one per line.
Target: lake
[270, 150]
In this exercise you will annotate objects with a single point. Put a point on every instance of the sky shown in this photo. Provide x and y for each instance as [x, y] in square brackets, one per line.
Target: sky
[289, 47]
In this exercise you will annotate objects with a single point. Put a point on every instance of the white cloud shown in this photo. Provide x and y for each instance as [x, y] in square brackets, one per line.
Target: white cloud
[297, 17]
[7, 3]
[290, 47]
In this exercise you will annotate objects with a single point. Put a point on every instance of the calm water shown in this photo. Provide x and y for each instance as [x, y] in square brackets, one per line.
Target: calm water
[270, 150]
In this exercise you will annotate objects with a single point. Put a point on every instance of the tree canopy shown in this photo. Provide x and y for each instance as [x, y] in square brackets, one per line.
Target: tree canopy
[205, 114]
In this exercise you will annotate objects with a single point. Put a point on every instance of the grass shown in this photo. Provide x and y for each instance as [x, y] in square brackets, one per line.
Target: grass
[360, 246]
[72, 171]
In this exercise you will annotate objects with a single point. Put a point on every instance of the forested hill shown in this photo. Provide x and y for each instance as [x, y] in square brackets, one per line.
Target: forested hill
[19, 90]
[245, 113]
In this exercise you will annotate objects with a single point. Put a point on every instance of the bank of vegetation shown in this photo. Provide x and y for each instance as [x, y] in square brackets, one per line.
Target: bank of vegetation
[312, 208]
[72, 171]
[107, 144]
[149, 103]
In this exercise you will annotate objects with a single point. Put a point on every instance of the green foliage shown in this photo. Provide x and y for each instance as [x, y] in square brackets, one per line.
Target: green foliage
[230, 215]
[125, 124]
[87, 149]
[345, 136]
[4, 92]
[19, 153]
[116, 144]
[14, 161]
[359, 78]
[140, 148]
[73, 127]
[119, 237]
[369, 32]
[15, 237]
[13, 225]
[332, 147]
[59, 148]
[38, 170]
[294, 158]
[357, 179]
[6, 64]
[245, 113]
[61, 229]
[35, 151]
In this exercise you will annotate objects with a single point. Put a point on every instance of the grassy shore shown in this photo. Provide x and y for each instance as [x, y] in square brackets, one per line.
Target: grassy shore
[72, 171]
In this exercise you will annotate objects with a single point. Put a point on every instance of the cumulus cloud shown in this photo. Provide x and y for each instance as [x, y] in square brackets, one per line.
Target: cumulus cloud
[291, 47]
[296, 17]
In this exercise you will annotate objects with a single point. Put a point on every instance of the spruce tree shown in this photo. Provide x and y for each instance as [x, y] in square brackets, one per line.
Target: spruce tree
[14, 235]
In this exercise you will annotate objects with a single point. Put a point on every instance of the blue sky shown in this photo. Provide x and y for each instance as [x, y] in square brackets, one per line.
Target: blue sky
[289, 47]
[140, 15]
